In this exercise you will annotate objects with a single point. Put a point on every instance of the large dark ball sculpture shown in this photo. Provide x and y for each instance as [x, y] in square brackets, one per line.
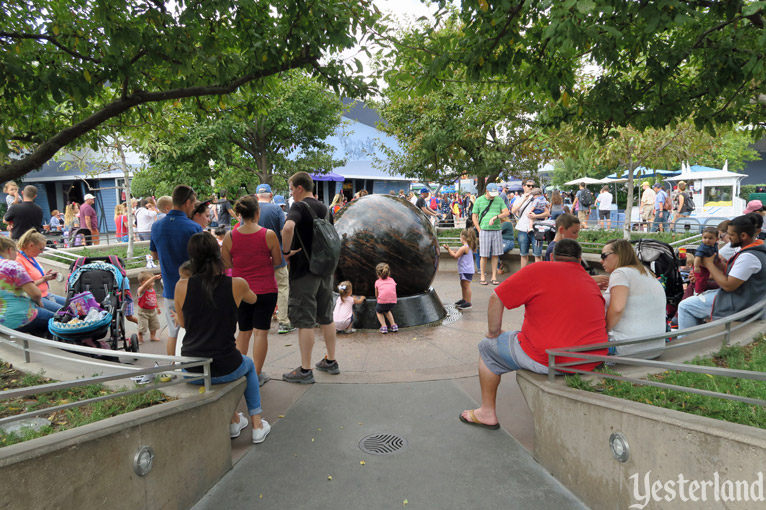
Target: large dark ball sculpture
[384, 228]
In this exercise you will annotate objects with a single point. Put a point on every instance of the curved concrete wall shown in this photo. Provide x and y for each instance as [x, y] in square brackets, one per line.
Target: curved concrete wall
[92, 466]
[572, 430]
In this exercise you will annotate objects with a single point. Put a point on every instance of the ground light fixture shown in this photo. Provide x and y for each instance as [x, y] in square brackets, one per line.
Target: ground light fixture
[618, 443]
[142, 461]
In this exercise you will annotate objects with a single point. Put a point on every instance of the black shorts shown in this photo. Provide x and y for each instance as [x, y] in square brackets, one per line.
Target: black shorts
[604, 215]
[258, 315]
[384, 307]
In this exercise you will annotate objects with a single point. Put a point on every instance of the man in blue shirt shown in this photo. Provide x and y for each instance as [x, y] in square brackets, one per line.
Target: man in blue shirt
[273, 218]
[169, 239]
[660, 214]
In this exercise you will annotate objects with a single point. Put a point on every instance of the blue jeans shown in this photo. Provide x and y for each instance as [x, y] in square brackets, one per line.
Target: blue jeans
[660, 218]
[252, 391]
[144, 236]
[53, 302]
[507, 246]
[694, 309]
[527, 239]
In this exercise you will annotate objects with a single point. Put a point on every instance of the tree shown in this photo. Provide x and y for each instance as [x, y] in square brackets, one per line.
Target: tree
[68, 67]
[456, 127]
[255, 135]
[656, 62]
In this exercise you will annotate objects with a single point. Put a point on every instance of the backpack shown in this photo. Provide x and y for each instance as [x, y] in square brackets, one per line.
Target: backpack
[433, 203]
[668, 204]
[688, 202]
[586, 198]
[325, 245]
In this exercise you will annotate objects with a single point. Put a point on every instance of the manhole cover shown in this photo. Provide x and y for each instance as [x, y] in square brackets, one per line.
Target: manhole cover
[382, 444]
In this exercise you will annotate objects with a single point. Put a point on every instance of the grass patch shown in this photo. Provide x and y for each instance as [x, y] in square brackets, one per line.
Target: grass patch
[11, 378]
[119, 250]
[750, 357]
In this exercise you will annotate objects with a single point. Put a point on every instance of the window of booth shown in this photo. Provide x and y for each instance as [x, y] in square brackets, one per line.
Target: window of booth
[719, 196]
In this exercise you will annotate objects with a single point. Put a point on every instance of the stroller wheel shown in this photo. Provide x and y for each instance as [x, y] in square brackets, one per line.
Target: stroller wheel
[133, 343]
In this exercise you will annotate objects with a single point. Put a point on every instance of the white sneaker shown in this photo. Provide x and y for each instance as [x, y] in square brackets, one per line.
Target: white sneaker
[259, 435]
[236, 428]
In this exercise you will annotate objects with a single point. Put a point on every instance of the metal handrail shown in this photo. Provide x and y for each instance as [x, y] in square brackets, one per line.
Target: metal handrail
[746, 316]
[22, 341]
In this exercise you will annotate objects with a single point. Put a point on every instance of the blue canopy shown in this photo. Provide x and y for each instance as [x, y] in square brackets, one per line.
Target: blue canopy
[330, 176]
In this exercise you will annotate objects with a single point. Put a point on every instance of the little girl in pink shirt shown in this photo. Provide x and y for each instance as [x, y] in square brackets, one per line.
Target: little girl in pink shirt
[385, 293]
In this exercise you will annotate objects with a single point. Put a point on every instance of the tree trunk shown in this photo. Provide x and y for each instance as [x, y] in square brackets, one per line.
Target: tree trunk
[129, 208]
[629, 205]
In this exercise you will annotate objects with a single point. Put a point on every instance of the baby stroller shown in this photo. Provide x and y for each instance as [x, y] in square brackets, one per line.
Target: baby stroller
[661, 259]
[94, 312]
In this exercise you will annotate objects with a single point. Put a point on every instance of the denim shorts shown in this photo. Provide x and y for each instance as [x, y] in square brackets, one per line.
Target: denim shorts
[504, 354]
[525, 240]
[466, 276]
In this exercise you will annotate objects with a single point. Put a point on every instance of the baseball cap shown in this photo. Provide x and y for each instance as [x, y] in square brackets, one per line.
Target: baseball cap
[752, 206]
[279, 199]
[657, 185]
[492, 189]
[88, 196]
[263, 188]
[424, 190]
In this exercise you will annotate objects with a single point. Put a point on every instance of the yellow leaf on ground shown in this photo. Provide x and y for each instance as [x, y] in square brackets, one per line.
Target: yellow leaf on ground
[361, 462]
[281, 416]
[329, 477]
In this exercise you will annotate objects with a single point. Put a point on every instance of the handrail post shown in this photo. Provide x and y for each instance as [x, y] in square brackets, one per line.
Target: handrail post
[551, 367]
[727, 335]
[25, 343]
[206, 371]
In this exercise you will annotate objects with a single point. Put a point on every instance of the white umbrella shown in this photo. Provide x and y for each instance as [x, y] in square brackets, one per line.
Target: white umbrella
[607, 180]
[586, 180]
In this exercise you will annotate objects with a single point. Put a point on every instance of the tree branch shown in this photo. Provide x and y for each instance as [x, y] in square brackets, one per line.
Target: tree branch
[52, 40]
[18, 167]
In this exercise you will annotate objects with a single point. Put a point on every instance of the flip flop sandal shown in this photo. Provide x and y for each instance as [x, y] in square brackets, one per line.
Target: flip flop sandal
[475, 421]
[495, 282]
[483, 282]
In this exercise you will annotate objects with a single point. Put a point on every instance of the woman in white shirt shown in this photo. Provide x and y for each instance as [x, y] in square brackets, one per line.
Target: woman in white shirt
[604, 204]
[635, 301]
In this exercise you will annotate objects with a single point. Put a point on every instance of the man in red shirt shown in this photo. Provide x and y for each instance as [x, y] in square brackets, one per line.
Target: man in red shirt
[89, 219]
[549, 323]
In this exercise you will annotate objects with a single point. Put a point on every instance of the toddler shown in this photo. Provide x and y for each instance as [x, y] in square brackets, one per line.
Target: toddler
[465, 269]
[220, 233]
[12, 189]
[148, 310]
[708, 248]
[344, 308]
[385, 293]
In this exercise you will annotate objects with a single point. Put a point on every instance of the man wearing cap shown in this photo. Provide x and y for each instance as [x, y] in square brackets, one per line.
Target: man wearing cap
[647, 204]
[24, 215]
[88, 218]
[660, 214]
[487, 213]
[423, 206]
[273, 218]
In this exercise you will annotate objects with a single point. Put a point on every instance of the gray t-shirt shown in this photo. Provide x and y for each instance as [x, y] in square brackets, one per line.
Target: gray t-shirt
[644, 312]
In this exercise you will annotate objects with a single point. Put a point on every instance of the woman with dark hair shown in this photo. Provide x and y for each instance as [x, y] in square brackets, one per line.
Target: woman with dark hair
[206, 305]
[635, 301]
[252, 251]
[201, 214]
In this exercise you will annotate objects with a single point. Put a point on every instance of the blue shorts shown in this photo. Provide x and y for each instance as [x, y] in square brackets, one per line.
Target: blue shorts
[466, 276]
[525, 240]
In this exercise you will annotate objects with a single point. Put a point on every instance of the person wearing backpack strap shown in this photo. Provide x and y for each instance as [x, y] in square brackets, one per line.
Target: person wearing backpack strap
[661, 212]
[685, 204]
[311, 301]
[582, 203]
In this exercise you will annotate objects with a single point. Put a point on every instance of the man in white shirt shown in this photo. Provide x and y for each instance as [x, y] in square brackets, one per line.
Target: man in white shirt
[146, 215]
[604, 205]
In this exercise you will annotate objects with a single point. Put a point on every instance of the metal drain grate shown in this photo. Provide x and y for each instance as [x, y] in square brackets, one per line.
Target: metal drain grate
[382, 444]
[452, 315]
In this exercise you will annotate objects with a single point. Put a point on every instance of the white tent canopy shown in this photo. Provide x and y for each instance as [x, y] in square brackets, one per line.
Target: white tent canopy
[586, 180]
[713, 174]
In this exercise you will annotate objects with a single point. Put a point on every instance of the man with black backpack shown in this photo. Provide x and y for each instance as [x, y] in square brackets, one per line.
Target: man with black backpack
[583, 201]
[310, 247]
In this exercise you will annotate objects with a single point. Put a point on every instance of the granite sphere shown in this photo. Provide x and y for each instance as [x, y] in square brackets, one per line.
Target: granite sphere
[385, 228]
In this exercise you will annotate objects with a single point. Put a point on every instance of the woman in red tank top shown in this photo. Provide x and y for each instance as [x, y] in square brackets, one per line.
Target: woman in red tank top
[252, 252]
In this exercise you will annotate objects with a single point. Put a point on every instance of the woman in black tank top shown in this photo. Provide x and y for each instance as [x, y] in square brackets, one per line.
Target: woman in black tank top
[206, 305]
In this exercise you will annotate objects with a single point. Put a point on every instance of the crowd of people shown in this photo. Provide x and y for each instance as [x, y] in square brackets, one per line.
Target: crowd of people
[223, 283]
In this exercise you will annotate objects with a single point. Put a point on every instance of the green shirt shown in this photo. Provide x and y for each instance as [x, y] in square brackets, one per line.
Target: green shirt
[496, 206]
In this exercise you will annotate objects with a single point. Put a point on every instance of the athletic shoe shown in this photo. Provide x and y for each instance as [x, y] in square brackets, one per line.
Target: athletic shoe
[263, 379]
[236, 428]
[394, 328]
[330, 368]
[297, 376]
[285, 328]
[384, 330]
[465, 306]
[458, 303]
[259, 435]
